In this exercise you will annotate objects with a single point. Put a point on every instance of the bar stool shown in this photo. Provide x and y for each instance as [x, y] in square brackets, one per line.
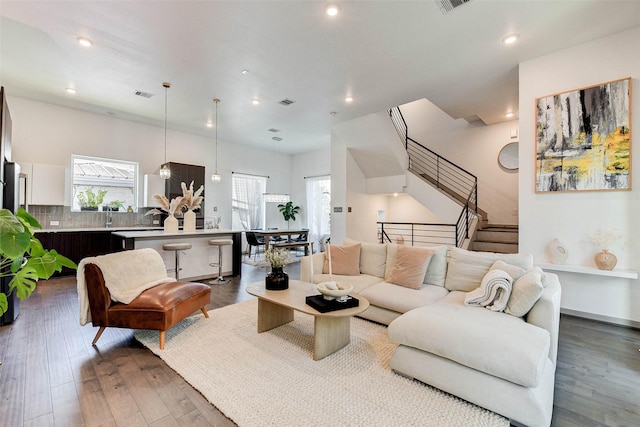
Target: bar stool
[176, 247]
[220, 243]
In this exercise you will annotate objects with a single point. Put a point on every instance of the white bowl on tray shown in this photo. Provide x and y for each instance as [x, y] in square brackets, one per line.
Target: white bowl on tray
[333, 290]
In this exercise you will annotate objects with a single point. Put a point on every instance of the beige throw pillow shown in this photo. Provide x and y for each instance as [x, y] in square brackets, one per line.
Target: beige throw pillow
[436, 271]
[526, 291]
[345, 260]
[410, 266]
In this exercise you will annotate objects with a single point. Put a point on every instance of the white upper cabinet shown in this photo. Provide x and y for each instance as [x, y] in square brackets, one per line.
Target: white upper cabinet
[153, 184]
[45, 184]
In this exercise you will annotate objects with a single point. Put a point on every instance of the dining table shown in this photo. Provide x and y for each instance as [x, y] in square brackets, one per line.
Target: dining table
[267, 234]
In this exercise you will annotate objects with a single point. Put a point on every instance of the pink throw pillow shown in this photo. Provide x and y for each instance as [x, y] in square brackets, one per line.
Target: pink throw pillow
[410, 266]
[345, 260]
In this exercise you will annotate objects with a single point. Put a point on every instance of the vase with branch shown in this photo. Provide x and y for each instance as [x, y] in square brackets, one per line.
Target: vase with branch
[604, 259]
[191, 200]
[169, 207]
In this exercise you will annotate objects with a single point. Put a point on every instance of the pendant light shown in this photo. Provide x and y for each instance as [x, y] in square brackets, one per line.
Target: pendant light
[215, 178]
[165, 172]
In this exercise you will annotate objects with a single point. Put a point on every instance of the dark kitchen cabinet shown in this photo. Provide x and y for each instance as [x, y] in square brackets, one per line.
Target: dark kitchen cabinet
[76, 245]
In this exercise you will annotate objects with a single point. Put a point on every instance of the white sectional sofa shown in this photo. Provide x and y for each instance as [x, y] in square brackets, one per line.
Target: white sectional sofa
[503, 362]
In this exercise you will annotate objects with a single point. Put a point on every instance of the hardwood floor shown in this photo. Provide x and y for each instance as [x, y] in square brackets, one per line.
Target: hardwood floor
[52, 375]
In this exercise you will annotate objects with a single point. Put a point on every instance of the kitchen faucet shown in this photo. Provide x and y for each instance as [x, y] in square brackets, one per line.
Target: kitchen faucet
[109, 217]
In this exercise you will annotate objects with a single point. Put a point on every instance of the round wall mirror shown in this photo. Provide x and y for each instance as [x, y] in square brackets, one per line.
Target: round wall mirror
[508, 157]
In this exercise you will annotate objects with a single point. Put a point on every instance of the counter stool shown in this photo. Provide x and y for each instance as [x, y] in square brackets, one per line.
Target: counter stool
[176, 247]
[220, 243]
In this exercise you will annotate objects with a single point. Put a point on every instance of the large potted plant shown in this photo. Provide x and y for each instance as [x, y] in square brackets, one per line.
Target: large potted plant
[22, 256]
[289, 211]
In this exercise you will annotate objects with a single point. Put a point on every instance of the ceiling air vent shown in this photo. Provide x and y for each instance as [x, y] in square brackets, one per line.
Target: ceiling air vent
[286, 102]
[447, 6]
[143, 94]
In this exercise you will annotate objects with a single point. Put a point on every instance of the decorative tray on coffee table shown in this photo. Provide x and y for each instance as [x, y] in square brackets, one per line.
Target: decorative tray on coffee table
[324, 305]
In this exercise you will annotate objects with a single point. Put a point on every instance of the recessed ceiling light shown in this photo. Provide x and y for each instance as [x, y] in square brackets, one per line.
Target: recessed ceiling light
[277, 138]
[510, 39]
[209, 124]
[332, 10]
[70, 90]
[255, 101]
[509, 115]
[244, 72]
[348, 99]
[83, 41]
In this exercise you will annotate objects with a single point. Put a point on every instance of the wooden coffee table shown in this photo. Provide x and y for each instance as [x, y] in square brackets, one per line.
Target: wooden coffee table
[332, 330]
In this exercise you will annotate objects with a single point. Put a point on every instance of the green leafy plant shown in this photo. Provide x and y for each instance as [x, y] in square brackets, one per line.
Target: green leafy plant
[90, 199]
[22, 256]
[289, 211]
[116, 204]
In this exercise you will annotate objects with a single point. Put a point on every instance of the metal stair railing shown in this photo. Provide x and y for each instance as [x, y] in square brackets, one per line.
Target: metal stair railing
[458, 183]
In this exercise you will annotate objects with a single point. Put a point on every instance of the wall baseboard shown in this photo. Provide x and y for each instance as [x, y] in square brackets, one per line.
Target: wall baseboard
[606, 319]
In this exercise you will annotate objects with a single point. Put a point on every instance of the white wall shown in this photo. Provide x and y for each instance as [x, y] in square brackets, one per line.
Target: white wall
[49, 134]
[475, 148]
[574, 216]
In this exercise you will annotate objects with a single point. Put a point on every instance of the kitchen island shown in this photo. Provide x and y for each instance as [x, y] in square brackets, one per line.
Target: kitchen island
[194, 262]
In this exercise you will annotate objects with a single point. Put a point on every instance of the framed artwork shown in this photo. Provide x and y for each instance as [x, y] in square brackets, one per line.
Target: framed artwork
[583, 139]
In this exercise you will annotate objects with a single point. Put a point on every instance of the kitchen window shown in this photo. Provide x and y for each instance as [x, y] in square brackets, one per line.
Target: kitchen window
[103, 184]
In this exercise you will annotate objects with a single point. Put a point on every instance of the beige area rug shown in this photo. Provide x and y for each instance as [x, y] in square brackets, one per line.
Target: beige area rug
[271, 379]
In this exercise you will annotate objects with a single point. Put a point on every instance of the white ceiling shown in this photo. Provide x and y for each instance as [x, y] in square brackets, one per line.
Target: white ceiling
[383, 53]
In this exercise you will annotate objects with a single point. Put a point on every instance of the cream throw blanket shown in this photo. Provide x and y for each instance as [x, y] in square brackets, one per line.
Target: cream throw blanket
[493, 293]
[126, 274]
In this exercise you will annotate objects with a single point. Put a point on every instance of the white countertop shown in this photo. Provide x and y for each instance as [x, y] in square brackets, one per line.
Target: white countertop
[112, 229]
[150, 234]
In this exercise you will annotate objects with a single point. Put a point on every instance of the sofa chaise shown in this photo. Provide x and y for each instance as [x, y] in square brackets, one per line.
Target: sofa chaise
[500, 361]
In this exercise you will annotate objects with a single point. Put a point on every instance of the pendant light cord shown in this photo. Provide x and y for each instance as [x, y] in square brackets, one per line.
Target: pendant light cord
[217, 101]
[165, 124]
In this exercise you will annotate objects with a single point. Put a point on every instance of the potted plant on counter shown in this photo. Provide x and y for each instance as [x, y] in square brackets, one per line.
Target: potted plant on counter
[22, 256]
[89, 200]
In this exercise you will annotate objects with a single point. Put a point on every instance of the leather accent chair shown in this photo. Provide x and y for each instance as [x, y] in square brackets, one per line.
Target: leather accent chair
[157, 308]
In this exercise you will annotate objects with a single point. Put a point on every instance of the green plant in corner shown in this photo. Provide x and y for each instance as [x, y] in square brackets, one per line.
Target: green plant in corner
[22, 256]
[289, 211]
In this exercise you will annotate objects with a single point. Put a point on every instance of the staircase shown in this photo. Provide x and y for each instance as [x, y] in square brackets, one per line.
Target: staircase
[460, 186]
[496, 238]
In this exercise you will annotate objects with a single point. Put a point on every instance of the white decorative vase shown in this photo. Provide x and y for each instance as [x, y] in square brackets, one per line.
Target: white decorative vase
[605, 260]
[189, 223]
[171, 224]
[557, 252]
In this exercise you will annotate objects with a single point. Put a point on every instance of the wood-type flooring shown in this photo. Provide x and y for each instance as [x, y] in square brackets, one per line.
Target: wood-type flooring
[51, 375]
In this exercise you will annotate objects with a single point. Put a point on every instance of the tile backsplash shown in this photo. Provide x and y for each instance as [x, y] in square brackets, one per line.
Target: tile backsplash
[62, 217]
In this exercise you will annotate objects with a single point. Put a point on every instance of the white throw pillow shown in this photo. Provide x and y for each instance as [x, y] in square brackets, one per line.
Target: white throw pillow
[466, 268]
[512, 270]
[526, 291]
[373, 257]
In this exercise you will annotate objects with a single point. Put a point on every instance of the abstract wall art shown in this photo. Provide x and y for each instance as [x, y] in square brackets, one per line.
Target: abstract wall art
[583, 139]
